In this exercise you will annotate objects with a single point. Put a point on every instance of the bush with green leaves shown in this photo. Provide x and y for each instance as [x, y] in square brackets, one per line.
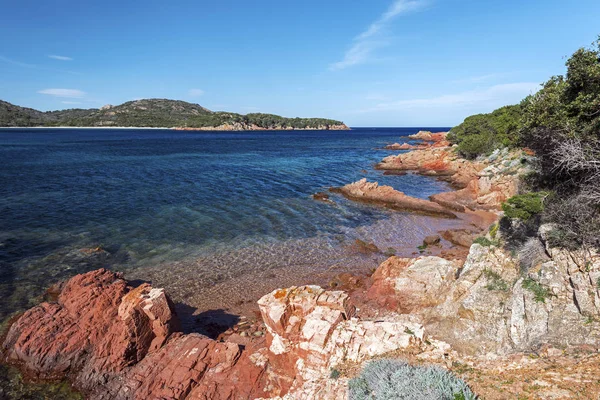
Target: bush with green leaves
[561, 123]
[524, 206]
[481, 134]
[388, 379]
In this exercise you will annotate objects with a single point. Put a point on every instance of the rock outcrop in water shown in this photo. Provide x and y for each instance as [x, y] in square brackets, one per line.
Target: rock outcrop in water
[484, 184]
[371, 192]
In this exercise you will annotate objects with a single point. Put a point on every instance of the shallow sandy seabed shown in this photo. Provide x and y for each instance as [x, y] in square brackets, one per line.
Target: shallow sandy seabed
[231, 281]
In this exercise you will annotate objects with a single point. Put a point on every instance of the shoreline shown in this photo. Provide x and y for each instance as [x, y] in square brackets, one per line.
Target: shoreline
[443, 305]
[354, 278]
[207, 129]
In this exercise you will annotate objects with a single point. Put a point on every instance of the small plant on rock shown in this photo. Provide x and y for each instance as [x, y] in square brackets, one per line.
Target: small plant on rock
[495, 281]
[540, 293]
[485, 242]
[334, 374]
[494, 230]
[395, 379]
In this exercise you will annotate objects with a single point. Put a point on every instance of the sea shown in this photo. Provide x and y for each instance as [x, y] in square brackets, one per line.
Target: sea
[217, 218]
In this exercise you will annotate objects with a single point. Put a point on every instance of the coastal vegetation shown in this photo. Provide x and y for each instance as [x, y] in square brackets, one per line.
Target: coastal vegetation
[560, 124]
[396, 379]
[160, 113]
[483, 133]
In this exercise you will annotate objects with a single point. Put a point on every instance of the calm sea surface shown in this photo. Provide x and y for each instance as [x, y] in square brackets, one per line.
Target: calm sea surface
[189, 209]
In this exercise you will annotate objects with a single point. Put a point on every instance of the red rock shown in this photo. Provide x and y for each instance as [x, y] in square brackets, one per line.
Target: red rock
[321, 196]
[363, 247]
[431, 240]
[98, 324]
[114, 341]
[189, 366]
[459, 237]
[388, 196]
[422, 135]
[408, 285]
[398, 146]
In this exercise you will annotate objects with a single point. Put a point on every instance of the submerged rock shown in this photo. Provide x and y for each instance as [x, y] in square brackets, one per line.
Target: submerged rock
[322, 196]
[431, 240]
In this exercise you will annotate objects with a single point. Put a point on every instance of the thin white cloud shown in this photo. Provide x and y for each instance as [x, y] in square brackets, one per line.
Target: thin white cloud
[61, 58]
[370, 39]
[15, 62]
[497, 95]
[195, 92]
[34, 66]
[69, 93]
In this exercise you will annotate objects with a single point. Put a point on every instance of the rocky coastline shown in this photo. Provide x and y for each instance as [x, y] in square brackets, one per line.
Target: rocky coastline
[253, 127]
[473, 309]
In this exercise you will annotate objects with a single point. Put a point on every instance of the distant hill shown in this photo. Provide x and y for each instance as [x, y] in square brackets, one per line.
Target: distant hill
[161, 113]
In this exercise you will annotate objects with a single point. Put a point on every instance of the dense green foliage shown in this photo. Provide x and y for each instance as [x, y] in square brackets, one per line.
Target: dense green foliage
[395, 379]
[524, 206]
[561, 123]
[154, 113]
[483, 133]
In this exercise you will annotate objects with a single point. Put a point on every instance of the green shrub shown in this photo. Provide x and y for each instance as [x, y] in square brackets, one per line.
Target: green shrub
[334, 374]
[395, 379]
[481, 134]
[561, 124]
[485, 242]
[494, 230]
[540, 292]
[524, 206]
[495, 281]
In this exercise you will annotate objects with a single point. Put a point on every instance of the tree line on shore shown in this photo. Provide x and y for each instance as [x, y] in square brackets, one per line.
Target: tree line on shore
[162, 113]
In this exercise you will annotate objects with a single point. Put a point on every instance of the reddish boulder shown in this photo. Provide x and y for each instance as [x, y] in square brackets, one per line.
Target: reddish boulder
[398, 146]
[113, 341]
[410, 285]
[98, 324]
[459, 237]
[188, 366]
[431, 240]
[371, 192]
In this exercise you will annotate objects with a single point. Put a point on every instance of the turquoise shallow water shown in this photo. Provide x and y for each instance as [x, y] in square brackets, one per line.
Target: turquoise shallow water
[188, 208]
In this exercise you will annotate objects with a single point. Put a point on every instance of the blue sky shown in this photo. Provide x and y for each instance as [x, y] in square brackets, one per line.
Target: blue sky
[368, 63]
